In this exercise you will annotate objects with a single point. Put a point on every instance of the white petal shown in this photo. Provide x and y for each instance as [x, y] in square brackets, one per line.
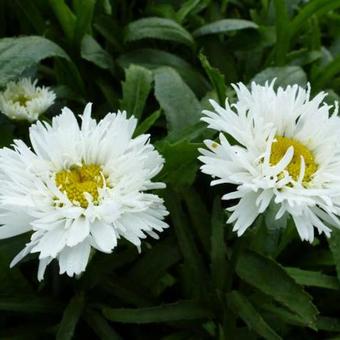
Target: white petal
[51, 243]
[14, 223]
[245, 213]
[285, 160]
[43, 263]
[74, 260]
[104, 236]
[7, 231]
[20, 256]
[78, 231]
[264, 199]
[302, 227]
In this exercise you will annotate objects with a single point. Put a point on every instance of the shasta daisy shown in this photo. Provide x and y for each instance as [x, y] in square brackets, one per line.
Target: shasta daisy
[80, 188]
[280, 149]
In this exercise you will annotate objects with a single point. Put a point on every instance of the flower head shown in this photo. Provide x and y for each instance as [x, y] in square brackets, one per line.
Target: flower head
[80, 188]
[285, 154]
[24, 100]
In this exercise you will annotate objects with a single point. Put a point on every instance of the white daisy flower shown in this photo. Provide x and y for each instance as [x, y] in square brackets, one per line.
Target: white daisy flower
[280, 148]
[80, 188]
[24, 100]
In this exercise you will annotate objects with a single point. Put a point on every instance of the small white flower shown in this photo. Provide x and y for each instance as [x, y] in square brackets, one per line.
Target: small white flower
[24, 100]
[80, 188]
[286, 154]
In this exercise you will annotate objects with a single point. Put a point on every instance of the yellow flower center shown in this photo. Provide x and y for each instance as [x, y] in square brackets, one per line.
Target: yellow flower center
[79, 180]
[280, 147]
[21, 99]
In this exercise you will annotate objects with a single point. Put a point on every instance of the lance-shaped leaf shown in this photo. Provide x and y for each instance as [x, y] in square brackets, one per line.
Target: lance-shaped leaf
[247, 312]
[136, 89]
[70, 318]
[158, 28]
[224, 26]
[183, 310]
[313, 279]
[270, 278]
[181, 106]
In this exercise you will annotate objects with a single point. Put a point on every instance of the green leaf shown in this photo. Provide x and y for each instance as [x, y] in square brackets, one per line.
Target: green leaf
[147, 123]
[136, 89]
[182, 335]
[18, 54]
[325, 74]
[186, 9]
[29, 304]
[328, 324]
[68, 74]
[181, 107]
[32, 13]
[303, 57]
[157, 28]
[193, 265]
[270, 278]
[109, 29]
[199, 216]
[224, 26]
[193, 133]
[152, 59]
[70, 318]
[6, 132]
[102, 266]
[312, 278]
[13, 282]
[216, 78]
[334, 245]
[126, 291]
[28, 331]
[164, 282]
[180, 163]
[154, 263]
[331, 97]
[317, 258]
[243, 308]
[282, 31]
[65, 92]
[283, 314]
[65, 17]
[219, 263]
[163, 10]
[100, 326]
[108, 91]
[106, 5]
[272, 236]
[287, 75]
[179, 311]
[315, 7]
[93, 52]
[84, 20]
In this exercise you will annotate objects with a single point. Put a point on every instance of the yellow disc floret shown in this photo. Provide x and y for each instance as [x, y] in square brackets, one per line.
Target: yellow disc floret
[22, 99]
[78, 180]
[280, 147]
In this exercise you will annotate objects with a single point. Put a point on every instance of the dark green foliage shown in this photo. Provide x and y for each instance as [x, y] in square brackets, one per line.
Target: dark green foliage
[18, 54]
[161, 61]
[136, 89]
[247, 312]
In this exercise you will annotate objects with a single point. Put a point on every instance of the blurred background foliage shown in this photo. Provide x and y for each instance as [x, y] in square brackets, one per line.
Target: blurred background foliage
[161, 61]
